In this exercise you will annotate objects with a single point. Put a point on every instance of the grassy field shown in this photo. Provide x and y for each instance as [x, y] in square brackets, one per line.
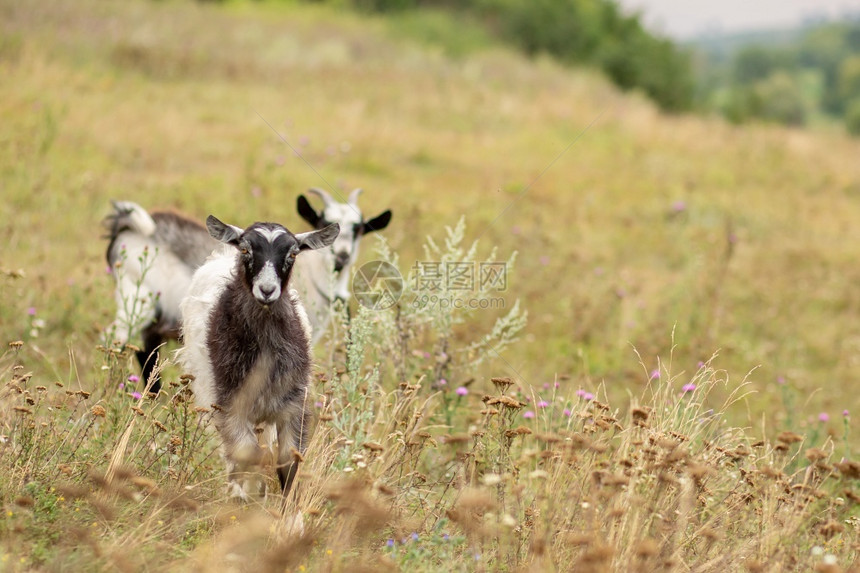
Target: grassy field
[698, 278]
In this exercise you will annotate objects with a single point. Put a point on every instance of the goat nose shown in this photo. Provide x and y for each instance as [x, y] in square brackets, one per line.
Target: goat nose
[340, 261]
[267, 291]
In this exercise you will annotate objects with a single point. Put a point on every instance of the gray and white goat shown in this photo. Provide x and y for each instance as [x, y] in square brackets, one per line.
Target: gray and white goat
[246, 341]
[153, 256]
[323, 276]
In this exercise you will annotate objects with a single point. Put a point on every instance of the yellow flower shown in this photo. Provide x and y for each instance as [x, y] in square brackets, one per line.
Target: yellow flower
[328, 551]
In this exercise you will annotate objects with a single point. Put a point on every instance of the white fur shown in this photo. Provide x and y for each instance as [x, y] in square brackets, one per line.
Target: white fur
[318, 287]
[267, 280]
[138, 217]
[161, 275]
[205, 289]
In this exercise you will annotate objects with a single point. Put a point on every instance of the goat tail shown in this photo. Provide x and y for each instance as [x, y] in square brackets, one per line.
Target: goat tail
[129, 216]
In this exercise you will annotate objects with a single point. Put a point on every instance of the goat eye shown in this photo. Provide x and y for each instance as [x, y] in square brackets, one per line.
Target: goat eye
[245, 251]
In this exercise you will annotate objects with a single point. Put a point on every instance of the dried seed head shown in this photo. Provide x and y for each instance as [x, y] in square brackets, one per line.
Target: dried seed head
[646, 548]
[849, 469]
[815, 454]
[769, 472]
[98, 411]
[502, 383]
[25, 501]
[789, 437]
[831, 528]
[640, 414]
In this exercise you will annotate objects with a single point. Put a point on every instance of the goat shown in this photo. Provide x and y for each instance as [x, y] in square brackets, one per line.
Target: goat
[317, 286]
[152, 257]
[247, 344]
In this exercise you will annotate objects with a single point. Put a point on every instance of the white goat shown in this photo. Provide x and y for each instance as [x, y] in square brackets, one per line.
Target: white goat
[247, 344]
[323, 276]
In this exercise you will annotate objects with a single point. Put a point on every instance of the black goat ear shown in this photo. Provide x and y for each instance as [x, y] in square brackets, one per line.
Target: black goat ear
[318, 239]
[377, 223]
[222, 231]
[307, 212]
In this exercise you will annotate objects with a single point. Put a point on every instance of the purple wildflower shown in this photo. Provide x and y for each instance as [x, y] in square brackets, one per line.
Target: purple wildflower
[546, 385]
[414, 536]
[318, 404]
[389, 543]
[544, 260]
[679, 206]
[136, 395]
[655, 374]
[588, 396]
[780, 380]
[528, 414]
[462, 391]
[133, 378]
[688, 387]
[445, 537]
[442, 382]
[580, 393]
[542, 404]
[823, 417]
[845, 413]
[31, 311]
[121, 385]
[566, 412]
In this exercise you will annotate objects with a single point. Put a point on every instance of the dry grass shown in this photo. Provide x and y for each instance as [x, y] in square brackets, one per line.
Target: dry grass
[676, 236]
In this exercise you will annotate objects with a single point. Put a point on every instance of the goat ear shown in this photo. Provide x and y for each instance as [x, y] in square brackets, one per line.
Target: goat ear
[318, 239]
[222, 231]
[307, 212]
[377, 223]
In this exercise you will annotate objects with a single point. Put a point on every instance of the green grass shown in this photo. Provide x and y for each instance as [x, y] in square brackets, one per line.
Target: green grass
[668, 236]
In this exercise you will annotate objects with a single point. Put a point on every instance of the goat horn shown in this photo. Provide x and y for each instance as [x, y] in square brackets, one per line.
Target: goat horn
[327, 199]
[353, 197]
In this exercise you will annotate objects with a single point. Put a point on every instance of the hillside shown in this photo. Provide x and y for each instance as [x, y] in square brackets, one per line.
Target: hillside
[670, 238]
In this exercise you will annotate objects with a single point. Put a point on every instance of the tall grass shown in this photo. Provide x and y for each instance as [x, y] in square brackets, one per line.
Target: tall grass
[738, 239]
[405, 471]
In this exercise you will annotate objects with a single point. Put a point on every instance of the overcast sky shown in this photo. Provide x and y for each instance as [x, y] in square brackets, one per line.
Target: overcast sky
[684, 19]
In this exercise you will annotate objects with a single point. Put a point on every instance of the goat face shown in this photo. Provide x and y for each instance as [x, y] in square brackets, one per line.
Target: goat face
[349, 217]
[267, 252]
